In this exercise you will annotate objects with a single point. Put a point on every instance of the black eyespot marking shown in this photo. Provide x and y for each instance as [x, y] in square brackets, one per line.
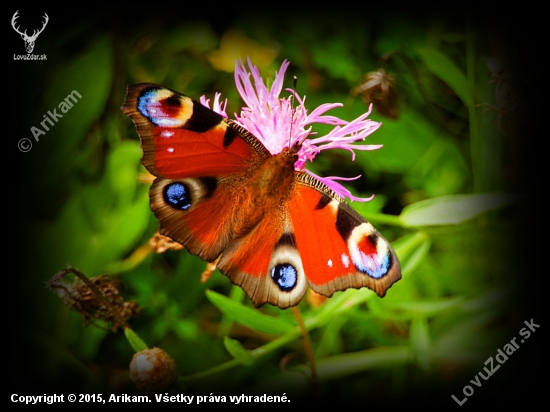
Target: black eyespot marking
[286, 239]
[345, 223]
[172, 102]
[210, 184]
[325, 200]
[177, 195]
[373, 238]
[229, 137]
[202, 119]
[285, 276]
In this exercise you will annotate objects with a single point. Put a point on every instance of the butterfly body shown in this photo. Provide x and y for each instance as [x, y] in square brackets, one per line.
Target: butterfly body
[273, 230]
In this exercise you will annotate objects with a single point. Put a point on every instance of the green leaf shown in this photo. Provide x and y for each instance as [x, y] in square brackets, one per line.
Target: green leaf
[418, 254]
[247, 316]
[370, 359]
[446, 70]
[88, 76]
[452, 209]
[122, 229]
[121, 175]
[332, 368]
[237, 350]
[428, 308]
[421, 342]
[135, 341]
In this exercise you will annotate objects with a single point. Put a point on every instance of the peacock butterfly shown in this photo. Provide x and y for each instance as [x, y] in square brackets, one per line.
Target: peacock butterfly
[225, 197]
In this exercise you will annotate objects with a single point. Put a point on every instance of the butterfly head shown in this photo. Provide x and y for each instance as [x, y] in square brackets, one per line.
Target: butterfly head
[292, 153]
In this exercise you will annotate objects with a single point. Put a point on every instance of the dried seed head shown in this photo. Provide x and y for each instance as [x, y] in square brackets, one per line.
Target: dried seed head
[93, 298]
[161, 244]
[378, 88]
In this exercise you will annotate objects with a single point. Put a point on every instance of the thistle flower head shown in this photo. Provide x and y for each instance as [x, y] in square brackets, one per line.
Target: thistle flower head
[280, 122]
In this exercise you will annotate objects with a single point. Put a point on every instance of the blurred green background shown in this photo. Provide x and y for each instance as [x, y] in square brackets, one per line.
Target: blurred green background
[455, 184]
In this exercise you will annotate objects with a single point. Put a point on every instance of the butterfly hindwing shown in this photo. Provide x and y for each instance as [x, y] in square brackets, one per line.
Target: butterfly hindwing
[184, 208]
[266, 263]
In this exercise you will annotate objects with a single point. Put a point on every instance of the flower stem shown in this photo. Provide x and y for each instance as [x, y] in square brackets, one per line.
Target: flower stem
[307, 347]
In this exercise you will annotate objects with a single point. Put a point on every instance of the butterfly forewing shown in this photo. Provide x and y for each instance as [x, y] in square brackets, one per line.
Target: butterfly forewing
[182, 138]
[339, 248]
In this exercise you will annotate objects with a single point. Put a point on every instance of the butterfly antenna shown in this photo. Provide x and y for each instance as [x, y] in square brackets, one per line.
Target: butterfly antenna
[292, 100]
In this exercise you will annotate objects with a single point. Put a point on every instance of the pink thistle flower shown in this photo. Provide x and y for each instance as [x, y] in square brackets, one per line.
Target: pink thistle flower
[218, 106]
[277, 123]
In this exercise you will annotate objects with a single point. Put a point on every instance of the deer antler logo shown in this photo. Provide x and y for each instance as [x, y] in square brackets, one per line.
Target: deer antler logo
[29, 40]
